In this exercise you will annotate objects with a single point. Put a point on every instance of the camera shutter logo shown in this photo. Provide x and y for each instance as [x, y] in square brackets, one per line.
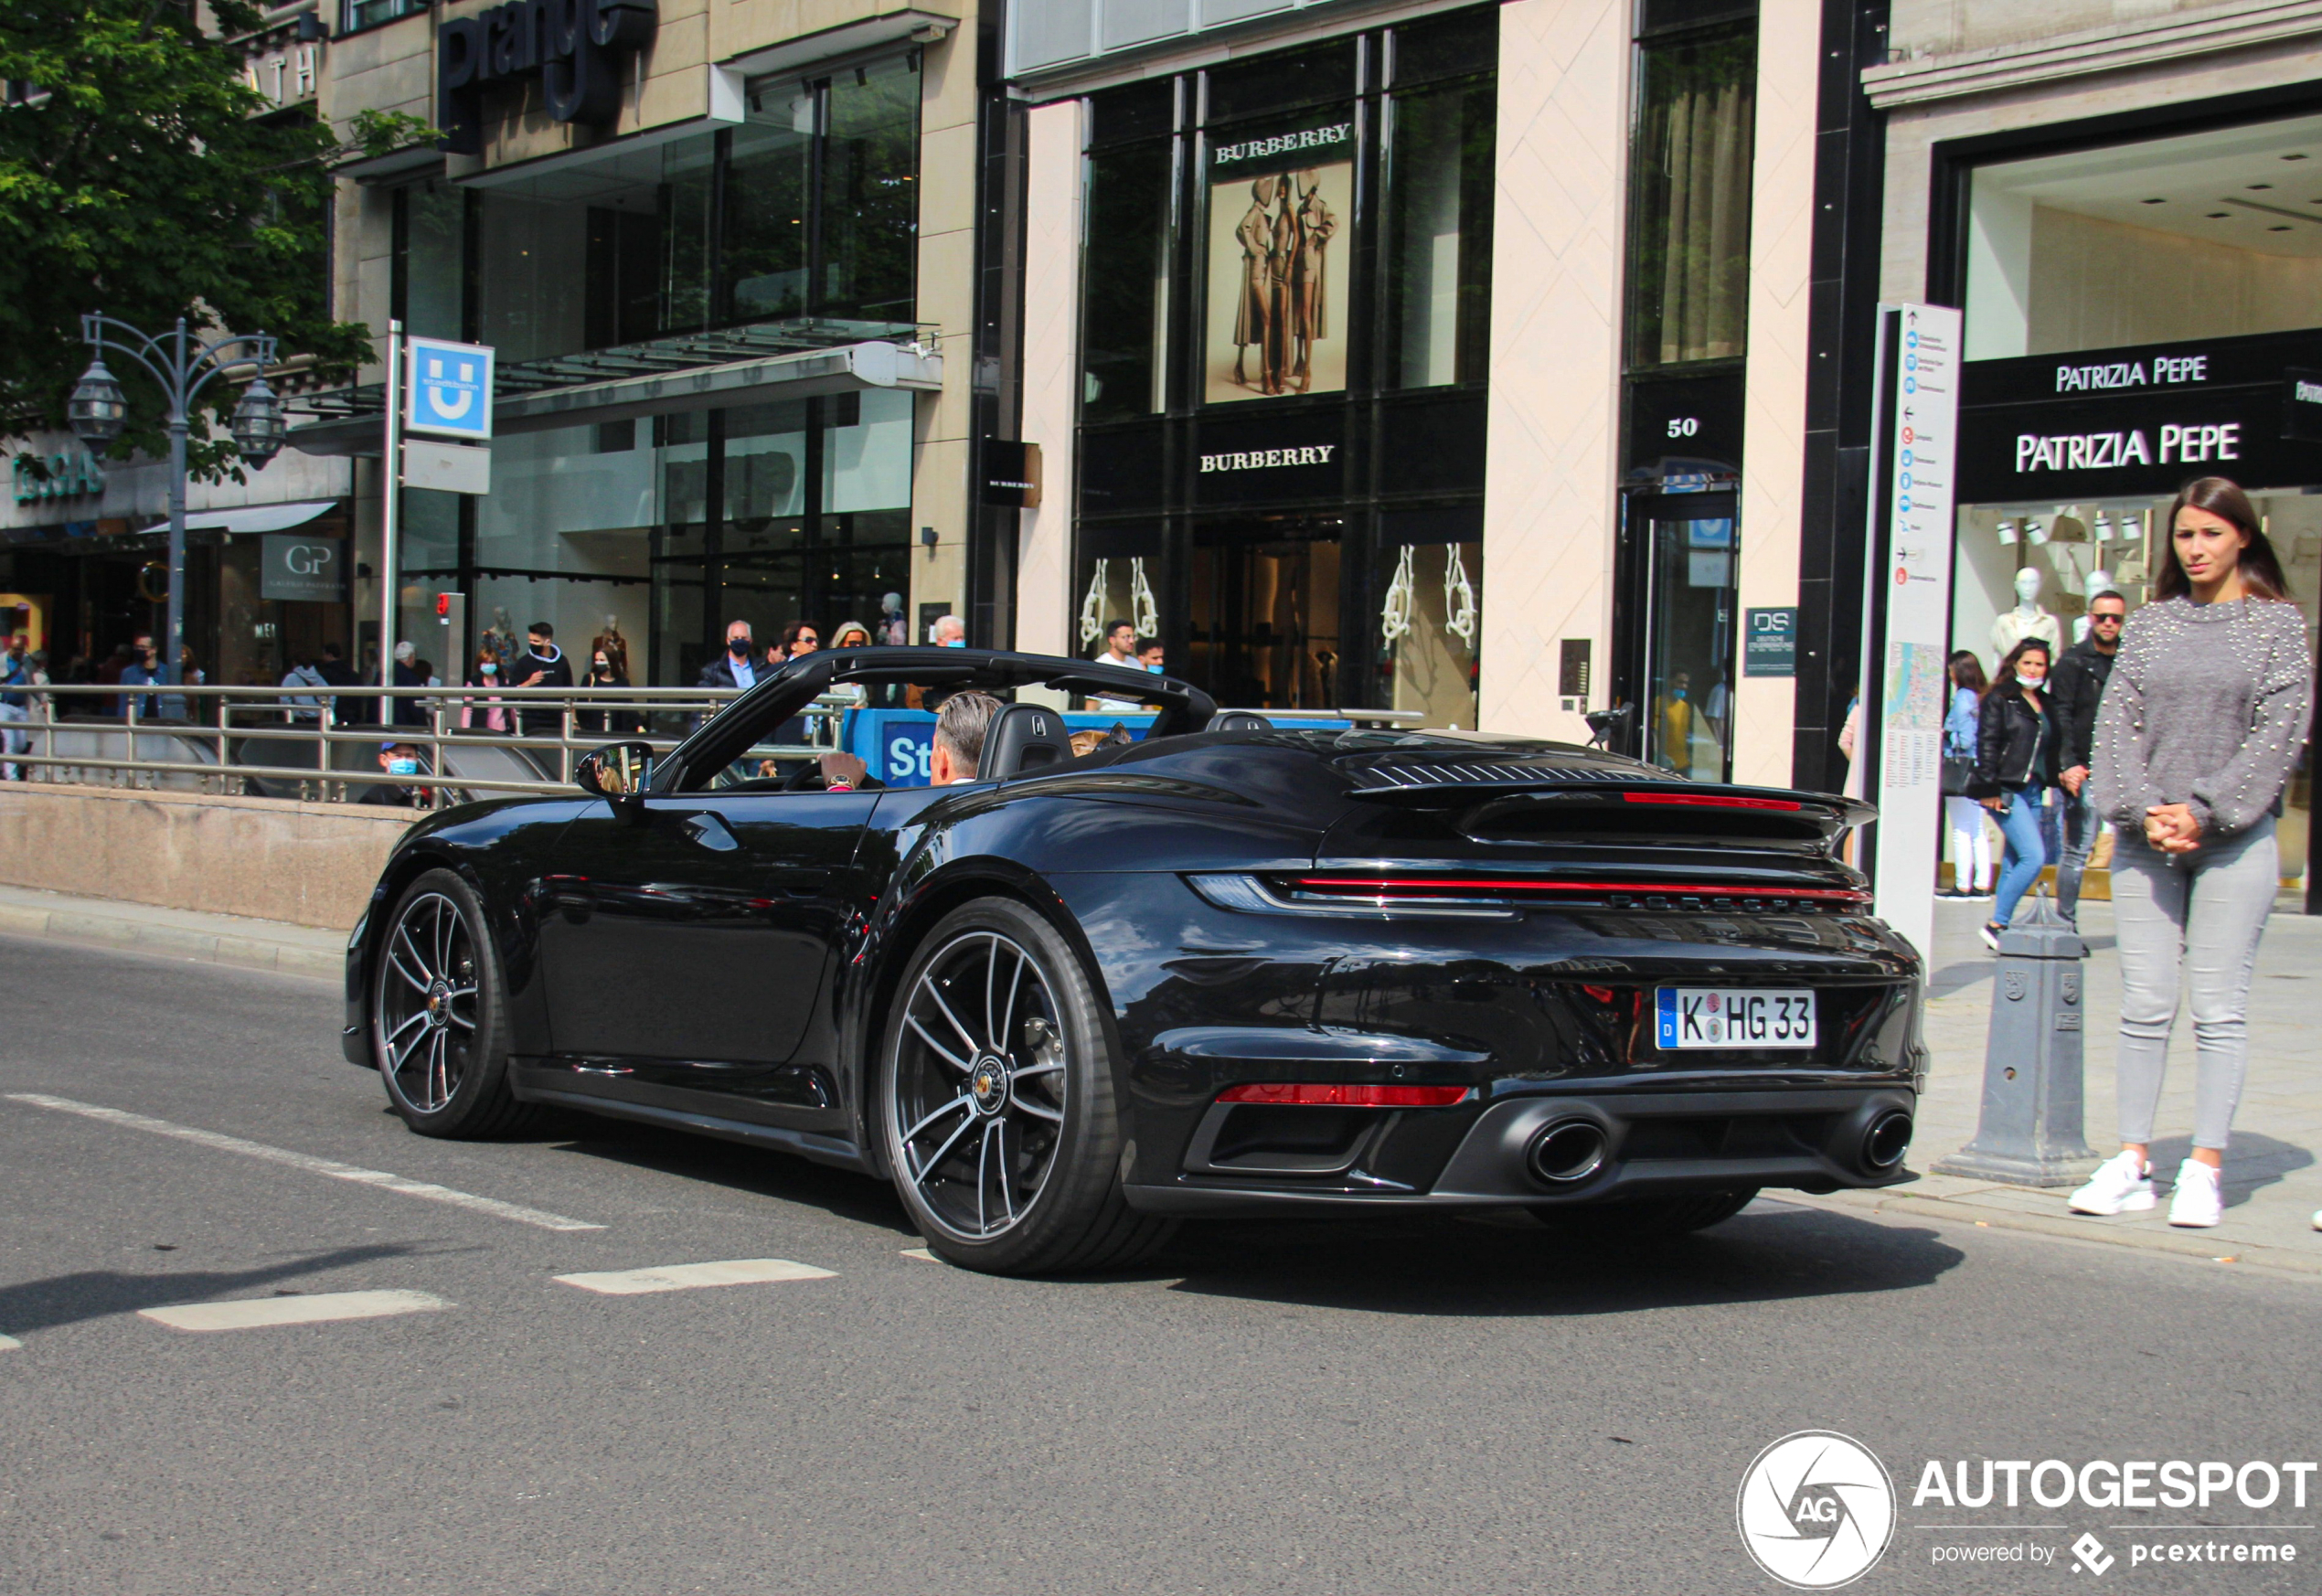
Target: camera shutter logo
[1816, 1510]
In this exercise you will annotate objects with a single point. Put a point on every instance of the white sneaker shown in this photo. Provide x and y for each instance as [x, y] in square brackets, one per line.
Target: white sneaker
[2122, 1184]
[2199, 1201]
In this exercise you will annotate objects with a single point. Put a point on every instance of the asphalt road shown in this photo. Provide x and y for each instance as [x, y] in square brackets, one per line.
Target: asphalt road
[1447, 1406]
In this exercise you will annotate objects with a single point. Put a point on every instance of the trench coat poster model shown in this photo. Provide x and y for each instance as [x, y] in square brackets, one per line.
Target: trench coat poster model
[1278, 280]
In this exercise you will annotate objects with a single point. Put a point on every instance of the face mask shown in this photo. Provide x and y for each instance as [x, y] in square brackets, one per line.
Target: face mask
[602, 663]
[956, 642]
[402, 766]
[491, 670]
[2032, 681]
[738, 647]
[1154, 669]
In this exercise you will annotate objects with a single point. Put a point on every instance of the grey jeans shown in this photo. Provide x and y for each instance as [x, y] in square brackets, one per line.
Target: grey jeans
[2207, 909]
[2079, 827]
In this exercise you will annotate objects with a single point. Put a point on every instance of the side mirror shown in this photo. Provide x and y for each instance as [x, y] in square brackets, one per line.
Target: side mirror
[618, 772]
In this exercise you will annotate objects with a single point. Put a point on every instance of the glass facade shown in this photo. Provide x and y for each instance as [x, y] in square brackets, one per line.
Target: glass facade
[1283, 346]
[1685, 337]
[658, 530]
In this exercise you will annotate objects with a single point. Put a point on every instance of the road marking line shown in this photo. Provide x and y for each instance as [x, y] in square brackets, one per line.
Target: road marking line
[679, 1277]
[308, 1162]
[249, 1313]
[922, 1253]
[10, 1344]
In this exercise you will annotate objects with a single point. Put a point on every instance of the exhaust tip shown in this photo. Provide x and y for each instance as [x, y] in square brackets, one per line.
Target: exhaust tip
[1567, 1151]
[1888, 1139]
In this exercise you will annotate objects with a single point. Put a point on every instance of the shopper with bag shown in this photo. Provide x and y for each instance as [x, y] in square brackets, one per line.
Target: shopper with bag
[1970, 835]
[2200, 728]
[2015, 767]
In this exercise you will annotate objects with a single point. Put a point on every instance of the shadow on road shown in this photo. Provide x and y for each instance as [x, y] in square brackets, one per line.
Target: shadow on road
[732, 1164]
[98, 1293]
[1444, 1266]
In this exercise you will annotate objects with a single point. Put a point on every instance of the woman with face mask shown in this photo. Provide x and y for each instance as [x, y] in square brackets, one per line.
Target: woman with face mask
[488, 714]
[603, 719]
[2015, 767]
[2200, 727]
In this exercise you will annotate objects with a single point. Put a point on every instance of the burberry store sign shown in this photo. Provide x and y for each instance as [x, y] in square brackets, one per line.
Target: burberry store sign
[1267, 459]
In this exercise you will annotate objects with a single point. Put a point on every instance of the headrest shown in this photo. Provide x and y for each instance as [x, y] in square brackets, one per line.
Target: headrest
[1239, 720]
[1023, 738]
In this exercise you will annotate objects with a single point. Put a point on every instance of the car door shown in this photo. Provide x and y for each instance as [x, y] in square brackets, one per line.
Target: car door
[685, 946]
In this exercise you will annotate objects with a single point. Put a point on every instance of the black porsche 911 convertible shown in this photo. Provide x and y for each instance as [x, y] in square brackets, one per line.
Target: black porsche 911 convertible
[1227, 969]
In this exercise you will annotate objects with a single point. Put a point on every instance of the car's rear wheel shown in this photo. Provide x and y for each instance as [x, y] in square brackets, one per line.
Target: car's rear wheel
[439, 1014]
[1642, 1219]
[996, 1102]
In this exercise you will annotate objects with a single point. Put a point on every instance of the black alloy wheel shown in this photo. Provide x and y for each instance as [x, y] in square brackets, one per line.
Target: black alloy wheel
[438, 1014]
[996, 1102]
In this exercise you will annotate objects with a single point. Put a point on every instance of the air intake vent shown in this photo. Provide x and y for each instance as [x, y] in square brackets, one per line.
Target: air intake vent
[1415, 777]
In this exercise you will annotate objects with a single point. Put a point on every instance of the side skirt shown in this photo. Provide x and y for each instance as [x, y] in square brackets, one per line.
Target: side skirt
[819, 1149]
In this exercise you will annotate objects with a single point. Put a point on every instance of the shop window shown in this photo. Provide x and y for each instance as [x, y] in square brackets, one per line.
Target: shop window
[1446, 46]
[1126, 301]
[768, 185]
[1268, 84]
[1430, 616]
[1689, 199]
[1119, 580]
[1264, 619]
[869, 193]
[431, 260]
[1440, 167]
[2207, 235]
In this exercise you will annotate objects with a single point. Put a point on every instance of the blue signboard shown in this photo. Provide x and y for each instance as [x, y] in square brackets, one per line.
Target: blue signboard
[898, 744]
[451, 389]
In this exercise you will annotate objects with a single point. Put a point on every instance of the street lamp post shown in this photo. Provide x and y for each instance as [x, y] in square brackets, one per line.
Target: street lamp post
[182, 367]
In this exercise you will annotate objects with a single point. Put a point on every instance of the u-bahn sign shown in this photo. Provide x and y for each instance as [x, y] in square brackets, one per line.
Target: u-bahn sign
[574, 47]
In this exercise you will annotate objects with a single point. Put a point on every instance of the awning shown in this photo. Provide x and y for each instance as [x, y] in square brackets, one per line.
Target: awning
[248, 518]
[857, 368]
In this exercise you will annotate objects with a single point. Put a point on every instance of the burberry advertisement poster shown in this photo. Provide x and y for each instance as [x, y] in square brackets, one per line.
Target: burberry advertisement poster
[1278, 209]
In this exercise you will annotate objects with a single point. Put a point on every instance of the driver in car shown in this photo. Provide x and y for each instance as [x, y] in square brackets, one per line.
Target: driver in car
[960, 727]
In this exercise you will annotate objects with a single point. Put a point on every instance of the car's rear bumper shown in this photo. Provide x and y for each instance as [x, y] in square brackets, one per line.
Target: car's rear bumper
[1656, 1144]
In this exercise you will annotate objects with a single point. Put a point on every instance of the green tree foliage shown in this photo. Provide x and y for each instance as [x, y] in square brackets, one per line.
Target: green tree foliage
[140, 175]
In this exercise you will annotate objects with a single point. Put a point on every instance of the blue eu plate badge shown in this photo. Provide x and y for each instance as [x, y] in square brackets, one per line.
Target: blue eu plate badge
[451, 389]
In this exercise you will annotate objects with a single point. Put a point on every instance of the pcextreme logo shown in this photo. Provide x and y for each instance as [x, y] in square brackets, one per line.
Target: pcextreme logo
[1816, 1509]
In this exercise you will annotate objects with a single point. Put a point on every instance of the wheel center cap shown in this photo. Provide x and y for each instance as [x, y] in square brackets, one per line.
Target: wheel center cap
[438, 1004]
[988, 1083]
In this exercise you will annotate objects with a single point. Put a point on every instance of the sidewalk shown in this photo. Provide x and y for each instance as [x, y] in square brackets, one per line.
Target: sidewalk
[2273, 1183]
[173, 934]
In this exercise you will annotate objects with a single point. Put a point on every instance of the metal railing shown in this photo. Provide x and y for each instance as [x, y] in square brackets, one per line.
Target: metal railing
[215, 739]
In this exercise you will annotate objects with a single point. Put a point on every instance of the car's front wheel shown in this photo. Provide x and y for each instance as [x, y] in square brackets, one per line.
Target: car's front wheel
[439, 1014]
[998, 1105]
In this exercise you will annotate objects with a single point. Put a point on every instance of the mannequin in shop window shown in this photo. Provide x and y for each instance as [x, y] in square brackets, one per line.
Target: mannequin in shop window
[1255, 233]
[1311, 319]
[2027, 619]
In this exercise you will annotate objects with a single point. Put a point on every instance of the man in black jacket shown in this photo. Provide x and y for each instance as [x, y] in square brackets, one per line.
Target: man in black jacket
[542, 664]
[2077, 689]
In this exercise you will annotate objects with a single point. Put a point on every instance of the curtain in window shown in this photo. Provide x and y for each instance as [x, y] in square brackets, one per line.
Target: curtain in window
[1690, 220]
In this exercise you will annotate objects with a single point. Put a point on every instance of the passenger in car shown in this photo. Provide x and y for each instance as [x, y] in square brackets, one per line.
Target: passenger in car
[960, 726]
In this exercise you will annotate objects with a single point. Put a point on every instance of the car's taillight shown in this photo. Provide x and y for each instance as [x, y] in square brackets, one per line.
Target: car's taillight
[1526, 885]
[1712, 800]
[1343, 1094]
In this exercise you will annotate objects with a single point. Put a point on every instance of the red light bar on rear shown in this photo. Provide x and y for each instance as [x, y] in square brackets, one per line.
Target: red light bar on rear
[1390, 885]
[1712, 800]
[1342, 1094]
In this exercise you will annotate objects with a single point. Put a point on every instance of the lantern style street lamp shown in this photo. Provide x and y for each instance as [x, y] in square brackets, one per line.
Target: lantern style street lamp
[183, 366]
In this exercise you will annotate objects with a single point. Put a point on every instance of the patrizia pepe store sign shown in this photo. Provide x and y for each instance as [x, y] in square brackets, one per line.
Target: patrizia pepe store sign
[2142, 421]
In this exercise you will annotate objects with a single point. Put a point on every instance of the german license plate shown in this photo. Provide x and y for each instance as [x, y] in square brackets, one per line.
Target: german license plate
[1715, 1016]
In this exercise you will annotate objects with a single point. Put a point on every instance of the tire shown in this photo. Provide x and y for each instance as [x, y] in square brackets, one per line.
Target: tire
[996, 1105]
[439, 1015]
[1646, 1219]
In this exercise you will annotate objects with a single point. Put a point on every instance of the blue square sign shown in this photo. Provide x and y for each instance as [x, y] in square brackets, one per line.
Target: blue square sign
[451, 389]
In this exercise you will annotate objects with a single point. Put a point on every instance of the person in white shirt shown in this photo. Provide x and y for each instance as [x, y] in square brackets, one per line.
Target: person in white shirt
[1119, 649]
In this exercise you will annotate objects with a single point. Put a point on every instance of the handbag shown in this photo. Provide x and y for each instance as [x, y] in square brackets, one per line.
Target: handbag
[1958, 770]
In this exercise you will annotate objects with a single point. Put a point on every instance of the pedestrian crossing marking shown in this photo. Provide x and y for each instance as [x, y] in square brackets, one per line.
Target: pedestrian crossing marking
[253, 1312]
[679, 1277]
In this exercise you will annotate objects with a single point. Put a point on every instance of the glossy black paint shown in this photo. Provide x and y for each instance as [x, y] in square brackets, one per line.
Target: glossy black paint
[726, 960]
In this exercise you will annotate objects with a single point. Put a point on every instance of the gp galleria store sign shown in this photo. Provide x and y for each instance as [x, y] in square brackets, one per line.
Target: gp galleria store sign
[2099, 422]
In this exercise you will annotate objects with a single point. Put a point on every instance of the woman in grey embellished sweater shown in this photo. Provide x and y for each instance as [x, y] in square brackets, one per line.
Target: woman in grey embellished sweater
[2198, 730]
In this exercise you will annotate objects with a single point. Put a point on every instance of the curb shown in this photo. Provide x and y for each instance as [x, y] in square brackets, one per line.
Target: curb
[2187, 1247]
[125, 933]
